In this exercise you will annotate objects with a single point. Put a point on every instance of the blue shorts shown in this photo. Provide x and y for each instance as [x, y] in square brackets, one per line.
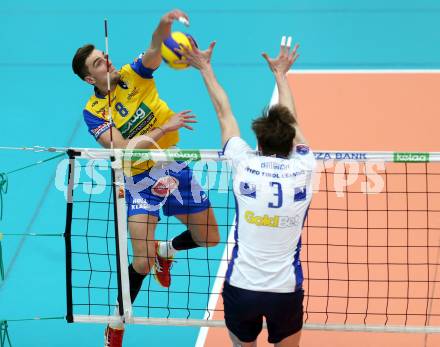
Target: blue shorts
[169, 187]
[245, 309]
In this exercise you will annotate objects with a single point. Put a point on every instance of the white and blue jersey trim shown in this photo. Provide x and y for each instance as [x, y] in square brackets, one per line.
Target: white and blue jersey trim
[297, 268]
[96, 126]
[141, 70]
[235, 249]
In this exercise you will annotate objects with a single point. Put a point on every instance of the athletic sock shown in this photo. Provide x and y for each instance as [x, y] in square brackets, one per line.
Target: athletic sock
[184, 241]
[135, 279]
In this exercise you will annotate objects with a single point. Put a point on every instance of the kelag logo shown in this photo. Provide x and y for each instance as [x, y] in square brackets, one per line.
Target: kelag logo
[411, 157]
[183, 155]
[133, 154]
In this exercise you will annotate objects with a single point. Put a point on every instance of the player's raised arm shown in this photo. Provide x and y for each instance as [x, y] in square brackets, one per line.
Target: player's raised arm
[201, 60]
[152, 57]
[280, 65]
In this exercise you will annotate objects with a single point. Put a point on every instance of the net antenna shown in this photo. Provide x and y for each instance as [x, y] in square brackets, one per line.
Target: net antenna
[124, 307]
[110, 118]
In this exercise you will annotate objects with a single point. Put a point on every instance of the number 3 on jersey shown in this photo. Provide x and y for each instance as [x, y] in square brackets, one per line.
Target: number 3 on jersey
[278, 193]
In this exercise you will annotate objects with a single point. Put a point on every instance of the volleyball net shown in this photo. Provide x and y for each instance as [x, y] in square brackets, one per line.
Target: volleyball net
[370, 244]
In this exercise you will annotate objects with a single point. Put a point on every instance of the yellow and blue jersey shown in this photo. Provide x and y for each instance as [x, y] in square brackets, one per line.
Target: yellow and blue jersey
[136, 110]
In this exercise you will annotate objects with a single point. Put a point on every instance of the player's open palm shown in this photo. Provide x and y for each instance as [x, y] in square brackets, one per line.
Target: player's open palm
[194, 56]
[285, 59]
[180, 120]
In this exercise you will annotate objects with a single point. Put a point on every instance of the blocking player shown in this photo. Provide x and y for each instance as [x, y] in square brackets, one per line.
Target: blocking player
[273, 190]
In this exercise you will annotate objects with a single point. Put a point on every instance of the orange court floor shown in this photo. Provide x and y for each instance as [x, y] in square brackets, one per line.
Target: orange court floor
[362, 110]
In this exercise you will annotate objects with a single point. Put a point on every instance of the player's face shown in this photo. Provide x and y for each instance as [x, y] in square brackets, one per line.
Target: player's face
[97, 66]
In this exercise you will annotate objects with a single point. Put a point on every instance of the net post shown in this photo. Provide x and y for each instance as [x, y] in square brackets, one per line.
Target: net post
[67, 236]
[3, 190]
[2, 269]
[120, 213]
[4, 335]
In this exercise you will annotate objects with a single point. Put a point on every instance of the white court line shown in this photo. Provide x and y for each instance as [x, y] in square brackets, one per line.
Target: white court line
[216, 288]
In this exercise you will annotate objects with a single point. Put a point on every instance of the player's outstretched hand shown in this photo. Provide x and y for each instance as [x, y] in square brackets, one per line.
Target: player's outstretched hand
[195, 57]
[286, 58]
[180, 120]
[173, 15]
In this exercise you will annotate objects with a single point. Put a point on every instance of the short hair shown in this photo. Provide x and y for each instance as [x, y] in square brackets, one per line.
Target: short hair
[275, 130]
[79, 60]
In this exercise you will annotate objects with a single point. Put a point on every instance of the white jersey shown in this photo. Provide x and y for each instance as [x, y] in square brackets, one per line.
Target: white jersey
[272, 198]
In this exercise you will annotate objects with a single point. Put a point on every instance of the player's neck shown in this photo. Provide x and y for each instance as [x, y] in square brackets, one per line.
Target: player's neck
[102, 88]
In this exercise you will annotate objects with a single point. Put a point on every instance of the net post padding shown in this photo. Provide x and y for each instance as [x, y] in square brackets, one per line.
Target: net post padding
[67, 234]
[2, 269]
[121, 234]
[5, 340]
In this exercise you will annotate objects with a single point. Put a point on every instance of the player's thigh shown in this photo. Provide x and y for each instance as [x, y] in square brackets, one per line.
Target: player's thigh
[284, 317]
[243, 314]
[142, 228]
[290, 341]
[190, 204]
[237, 343]
[203, 226]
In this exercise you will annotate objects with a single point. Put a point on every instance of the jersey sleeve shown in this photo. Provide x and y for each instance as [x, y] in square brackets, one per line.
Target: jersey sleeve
[305, 156]
[96, 126]
[140, 69]
[236, 148]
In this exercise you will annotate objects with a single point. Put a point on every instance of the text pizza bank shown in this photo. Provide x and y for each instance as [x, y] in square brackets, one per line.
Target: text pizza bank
[340, 156]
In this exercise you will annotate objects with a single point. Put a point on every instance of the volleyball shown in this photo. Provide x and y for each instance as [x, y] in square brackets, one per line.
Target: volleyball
[176, 40]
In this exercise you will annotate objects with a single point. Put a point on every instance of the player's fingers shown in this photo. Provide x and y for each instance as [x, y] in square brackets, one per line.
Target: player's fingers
[179, 51]
[188, 127]
[294, 50]
[184, 19]
[283, 45]
[265, 56]
[175, 13]
[171, 16]
[181, 61]
[182, 49]
[192, 43]
[295, 57]
[184, 112]
[289, 43]
[211, 46]
[190, 118]
[180, 13]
